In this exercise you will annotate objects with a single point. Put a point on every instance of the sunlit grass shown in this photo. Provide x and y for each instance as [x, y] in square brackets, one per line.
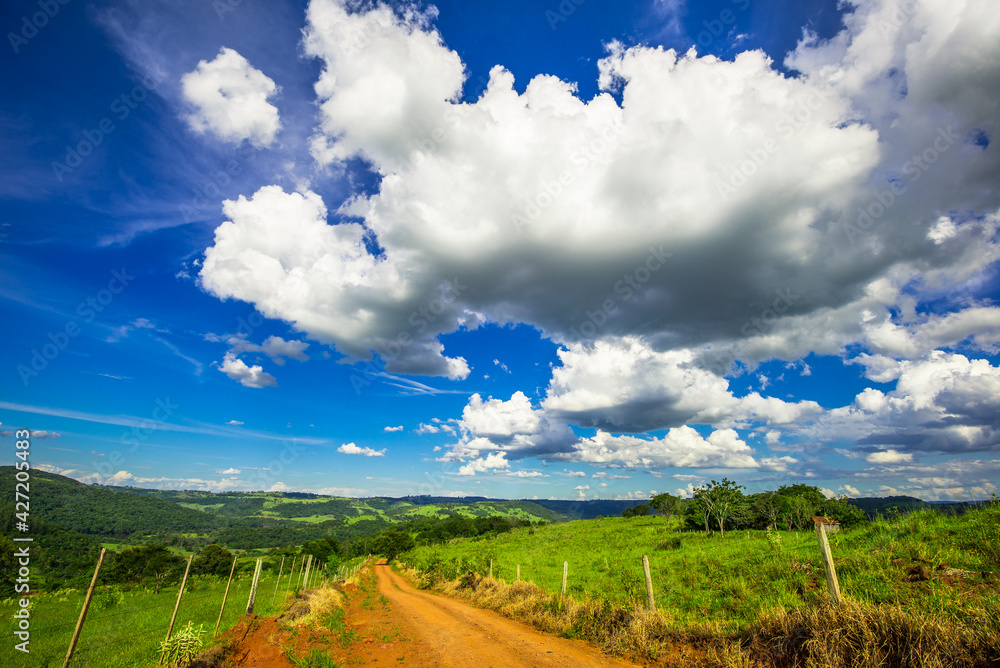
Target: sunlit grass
[128, 633]
[735, 579]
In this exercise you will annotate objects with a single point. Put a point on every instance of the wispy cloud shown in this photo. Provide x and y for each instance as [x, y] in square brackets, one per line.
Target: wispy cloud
[192, 427]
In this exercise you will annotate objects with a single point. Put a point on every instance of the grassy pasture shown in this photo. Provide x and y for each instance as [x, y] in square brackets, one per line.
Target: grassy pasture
[124, 627]
[735, 580]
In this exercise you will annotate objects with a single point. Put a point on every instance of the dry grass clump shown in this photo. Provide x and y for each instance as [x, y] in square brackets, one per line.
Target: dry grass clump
[853, 635]
[859, 635]
[618, 630]
[309, 607]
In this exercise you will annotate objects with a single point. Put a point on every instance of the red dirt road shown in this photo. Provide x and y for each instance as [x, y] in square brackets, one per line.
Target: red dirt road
[457, 635]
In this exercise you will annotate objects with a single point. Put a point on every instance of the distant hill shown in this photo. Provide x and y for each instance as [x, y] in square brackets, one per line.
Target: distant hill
[101, 511]
[561, 510]
[307, 507]
[123, 512]
[588, 509]
[875, 506]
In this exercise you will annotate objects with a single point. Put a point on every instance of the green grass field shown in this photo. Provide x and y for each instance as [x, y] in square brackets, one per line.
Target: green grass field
[736, 579]
[125, 629]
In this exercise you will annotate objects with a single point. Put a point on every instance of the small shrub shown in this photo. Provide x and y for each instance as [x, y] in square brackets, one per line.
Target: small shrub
[182, 646]
[774, 539]
[672, 543]
[109, 598]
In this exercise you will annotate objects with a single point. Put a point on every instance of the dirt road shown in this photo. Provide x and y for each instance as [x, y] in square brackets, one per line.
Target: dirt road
[460, 636]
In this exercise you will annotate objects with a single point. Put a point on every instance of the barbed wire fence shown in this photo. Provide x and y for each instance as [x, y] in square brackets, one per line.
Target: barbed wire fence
[125, 625]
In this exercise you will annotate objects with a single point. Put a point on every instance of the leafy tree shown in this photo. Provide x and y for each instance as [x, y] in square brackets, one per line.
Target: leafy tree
[667, 505]
[721, 500]
[640, 510]
[796, 510]
[392, 543]
[767, 507]
[135, 563]
[842, 510]
[213, 560]
[812, 494]
[322, 548]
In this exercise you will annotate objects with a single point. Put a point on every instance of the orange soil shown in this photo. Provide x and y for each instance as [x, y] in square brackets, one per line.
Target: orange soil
[398, 625]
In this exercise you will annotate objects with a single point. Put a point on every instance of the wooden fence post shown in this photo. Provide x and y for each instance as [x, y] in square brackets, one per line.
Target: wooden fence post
[565, 574]
[177, 605]
[649, 582]
[253, 585]
[83, 611]
[226, 594]
[831, 572]
[491, 569]
[305, 579]
[288, 587]
[519, 571]
[278, 581]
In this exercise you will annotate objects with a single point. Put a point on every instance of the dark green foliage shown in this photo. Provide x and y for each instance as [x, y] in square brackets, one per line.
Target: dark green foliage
[392, 543]
[873, 507]
[842, 510]
[59, 557]
[667, 505]
[145, 562]
[213, 560]
[101, 511]
[323, 549]
[640, 510]
[720, 501]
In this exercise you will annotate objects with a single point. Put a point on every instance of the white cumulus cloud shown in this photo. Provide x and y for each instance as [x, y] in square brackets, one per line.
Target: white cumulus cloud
[230, 98]
[352, 449]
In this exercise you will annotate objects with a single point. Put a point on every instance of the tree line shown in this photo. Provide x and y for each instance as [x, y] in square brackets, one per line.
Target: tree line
[722, 505]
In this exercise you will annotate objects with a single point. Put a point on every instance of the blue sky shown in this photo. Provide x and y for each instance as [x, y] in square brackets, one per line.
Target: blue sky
[518, 250]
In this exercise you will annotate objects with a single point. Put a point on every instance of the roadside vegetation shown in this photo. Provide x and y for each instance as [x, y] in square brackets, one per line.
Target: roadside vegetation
[922, 588]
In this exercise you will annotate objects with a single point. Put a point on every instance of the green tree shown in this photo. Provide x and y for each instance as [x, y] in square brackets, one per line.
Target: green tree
[667, 505]
[392, 543]
[721, 499]
[145, 561]
[767, 507]
[213, 560]
[842, 510]
[796, 510]
[699, 513]
[640, 510]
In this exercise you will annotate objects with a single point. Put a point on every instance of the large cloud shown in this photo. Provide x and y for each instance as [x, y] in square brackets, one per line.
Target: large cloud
[550, 208]
[720, 212]
[945, 403]
[230, 98]
[682, 447]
